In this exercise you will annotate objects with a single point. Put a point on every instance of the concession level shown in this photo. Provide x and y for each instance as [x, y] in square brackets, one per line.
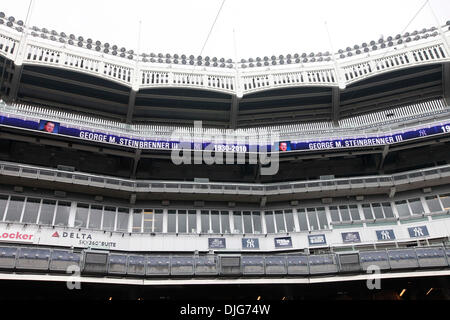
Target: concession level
[142, 143]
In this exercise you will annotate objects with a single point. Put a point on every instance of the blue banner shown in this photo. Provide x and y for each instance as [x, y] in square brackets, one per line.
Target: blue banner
[317, 239]
[417, 232]
[250, 243]
[283, 146]
[349, 237]
[284, 242]
[384, 235]
[216, 243]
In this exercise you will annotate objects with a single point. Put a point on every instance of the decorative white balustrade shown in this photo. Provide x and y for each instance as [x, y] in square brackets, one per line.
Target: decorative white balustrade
[239, 81]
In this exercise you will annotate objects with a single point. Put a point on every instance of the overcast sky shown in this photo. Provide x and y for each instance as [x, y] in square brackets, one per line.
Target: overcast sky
[261, 27]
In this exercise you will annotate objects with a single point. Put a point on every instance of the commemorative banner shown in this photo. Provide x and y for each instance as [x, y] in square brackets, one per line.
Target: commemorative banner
[317, 239]
[53, 127]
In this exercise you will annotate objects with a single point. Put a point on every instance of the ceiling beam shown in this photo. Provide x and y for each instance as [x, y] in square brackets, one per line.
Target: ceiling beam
[234, 111]
[446, 82]
[131, 104]
[335, 105]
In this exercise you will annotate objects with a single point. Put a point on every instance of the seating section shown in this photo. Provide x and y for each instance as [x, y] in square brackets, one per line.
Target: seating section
[149, 265]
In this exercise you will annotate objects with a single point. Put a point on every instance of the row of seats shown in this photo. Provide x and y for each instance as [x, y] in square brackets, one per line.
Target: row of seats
[114, 264]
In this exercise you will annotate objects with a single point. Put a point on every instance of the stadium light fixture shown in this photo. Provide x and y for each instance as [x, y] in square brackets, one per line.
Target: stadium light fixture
[403, 292]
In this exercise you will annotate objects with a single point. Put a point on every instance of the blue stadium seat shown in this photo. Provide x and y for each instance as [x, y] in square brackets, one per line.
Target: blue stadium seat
[136, 265]
[276, 265]
[374, 258]
[158, 266]
[182, 266]
[206, 265]
[403, 259]
[117, 264]
[297, 265]
[33, 259]
[431, 257]
[61, 260]
[8, 257]
[252, 265]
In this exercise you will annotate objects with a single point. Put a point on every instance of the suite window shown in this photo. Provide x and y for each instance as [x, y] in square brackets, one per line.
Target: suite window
[367, 211]
[123, 216]
[3, 203]
[147, 216]
[15, 209]
[289, 216]
[334, 214]
[377, 210]
[47, 212]
[312, 219]
[257, 228]
[433, 203]
[95, 217]
[215, 221]
[323, 221]
[302, 220]
[445, 199]
[62, 213]
[182, 221]
[237, 220]
[402, 208]
[137, 220]
[109, 218]
[247, 216]
[279, 220]
[172, 221]
[192, 221]
[416, 206]
[81, 216]
[345, 213]
[225, 221]
[204, 221]
[270, 225]
[158, 223]
[31, 210]
[387, 209]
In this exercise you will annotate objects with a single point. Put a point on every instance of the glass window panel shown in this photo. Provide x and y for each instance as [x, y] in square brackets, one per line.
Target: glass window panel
[354, 213]
[445, 198]
[289, 220]
[109, 218]
[81, 216]
[247, 215]
[270, 226]
[15, 209]
[323, 222]
[123, 215]
[95, 217]
[378, 212]
[367, 211]
[257, 222]
[312, 218]
[192, 221]
[225, 221]
[137, 220]
[148, 216]
[237, 219]
[3, 202]
[205, 221]
[303, 222]
[334, 213]
[172, 221]
[402, 208]
[215, 221]
[182, 221]
[416, 206]
[388, 213]
[345, 213]
[31, 210]
[279, 220]
[47, 212]
[62, 214]
[158, 223]
[433, 204]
